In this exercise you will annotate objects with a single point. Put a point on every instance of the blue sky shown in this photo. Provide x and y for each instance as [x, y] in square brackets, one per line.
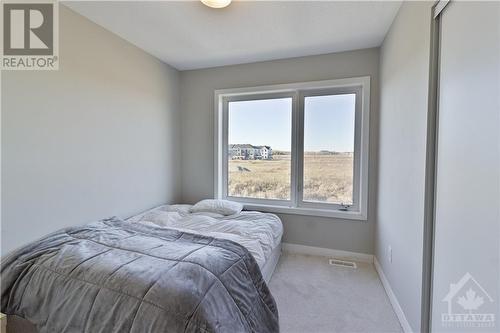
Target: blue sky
[329, 123]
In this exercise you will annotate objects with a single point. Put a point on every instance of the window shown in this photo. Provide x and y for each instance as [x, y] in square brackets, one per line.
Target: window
[296, 148]
[329, 148]
[254, 125]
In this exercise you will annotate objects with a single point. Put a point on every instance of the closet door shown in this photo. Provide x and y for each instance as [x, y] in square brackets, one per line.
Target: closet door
[466, 279]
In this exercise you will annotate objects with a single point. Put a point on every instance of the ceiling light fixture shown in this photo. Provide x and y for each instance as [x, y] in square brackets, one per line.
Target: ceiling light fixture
[216, 3]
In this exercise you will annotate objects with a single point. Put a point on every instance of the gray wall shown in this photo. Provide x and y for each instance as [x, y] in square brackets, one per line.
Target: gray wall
[197, 100]
[404, 75]
[97, 138]
[467, 229]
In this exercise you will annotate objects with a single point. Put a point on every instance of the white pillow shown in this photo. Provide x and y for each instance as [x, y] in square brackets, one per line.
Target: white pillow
[224, 207]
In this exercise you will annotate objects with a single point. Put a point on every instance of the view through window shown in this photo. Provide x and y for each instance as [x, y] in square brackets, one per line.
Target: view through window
[329, 148]
[259, 148]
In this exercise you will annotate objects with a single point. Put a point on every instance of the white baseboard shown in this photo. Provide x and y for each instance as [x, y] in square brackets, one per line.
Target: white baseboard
[320, 251]
[392, 298]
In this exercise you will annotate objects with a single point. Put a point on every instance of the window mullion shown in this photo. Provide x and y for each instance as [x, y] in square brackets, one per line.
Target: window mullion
[293, 171]
[299, 149]
[224, 161]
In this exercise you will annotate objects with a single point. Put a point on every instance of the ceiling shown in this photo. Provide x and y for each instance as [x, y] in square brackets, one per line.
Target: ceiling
[188, 35]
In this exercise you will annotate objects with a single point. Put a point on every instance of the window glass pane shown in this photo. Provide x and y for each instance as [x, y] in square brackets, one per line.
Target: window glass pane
[259, 144]
[329, 148]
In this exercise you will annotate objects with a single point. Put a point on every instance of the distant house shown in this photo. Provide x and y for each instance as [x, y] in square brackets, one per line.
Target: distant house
[250, 152]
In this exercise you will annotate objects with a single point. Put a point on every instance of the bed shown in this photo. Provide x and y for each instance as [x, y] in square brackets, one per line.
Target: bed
[259, 232]
[166, 269]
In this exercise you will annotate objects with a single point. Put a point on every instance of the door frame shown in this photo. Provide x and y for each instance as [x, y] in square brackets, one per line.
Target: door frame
[430, 166]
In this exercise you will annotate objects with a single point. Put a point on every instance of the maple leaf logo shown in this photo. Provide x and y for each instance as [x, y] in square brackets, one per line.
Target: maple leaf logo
[471, 301]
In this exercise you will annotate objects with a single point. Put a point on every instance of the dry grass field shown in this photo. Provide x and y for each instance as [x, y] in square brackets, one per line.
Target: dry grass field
[327, 178]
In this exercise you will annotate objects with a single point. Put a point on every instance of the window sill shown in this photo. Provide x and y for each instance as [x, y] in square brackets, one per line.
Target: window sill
[347, 215]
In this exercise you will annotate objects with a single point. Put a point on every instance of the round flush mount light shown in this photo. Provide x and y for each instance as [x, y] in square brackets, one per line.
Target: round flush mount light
[216, 3]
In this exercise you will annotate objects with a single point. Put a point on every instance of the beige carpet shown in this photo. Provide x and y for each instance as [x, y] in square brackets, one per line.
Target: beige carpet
[313, 296]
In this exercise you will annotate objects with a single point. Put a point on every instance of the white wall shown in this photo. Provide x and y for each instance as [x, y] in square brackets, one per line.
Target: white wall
[404, 82]
[99, 137]
[467, 226]
[197, 100]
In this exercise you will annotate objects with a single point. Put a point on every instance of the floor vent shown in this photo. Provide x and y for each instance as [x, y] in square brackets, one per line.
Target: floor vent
[342, 263]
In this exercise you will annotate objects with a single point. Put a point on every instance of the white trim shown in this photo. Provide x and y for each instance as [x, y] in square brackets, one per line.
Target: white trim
[364, 154]
[346, 215]
[276, 88]
[392, 298]
[295, 205]
[217, 149]
[324, 252]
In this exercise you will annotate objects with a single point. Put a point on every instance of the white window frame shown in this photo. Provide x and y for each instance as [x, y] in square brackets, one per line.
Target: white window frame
[297, 91]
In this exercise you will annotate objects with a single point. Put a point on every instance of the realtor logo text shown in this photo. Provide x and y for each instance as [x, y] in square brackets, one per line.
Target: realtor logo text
[30, 36]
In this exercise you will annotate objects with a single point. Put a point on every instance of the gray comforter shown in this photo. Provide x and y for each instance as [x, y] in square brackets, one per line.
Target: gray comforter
[113, 276]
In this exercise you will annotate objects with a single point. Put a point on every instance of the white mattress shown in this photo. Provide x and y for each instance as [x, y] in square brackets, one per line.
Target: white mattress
[259, 232]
